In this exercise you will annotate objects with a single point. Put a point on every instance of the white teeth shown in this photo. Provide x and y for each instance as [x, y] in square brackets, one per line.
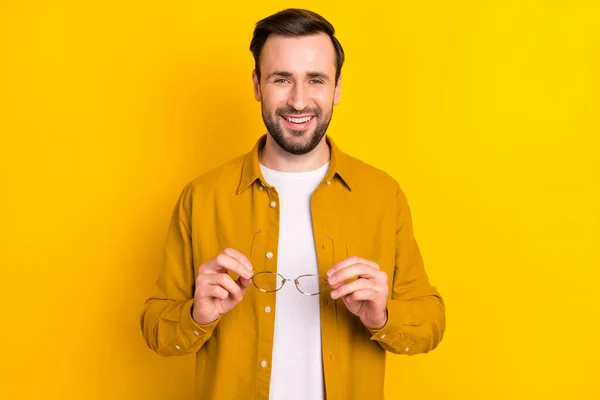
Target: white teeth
[298, 120]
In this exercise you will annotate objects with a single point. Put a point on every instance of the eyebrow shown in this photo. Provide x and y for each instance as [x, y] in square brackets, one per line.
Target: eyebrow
[310, 74]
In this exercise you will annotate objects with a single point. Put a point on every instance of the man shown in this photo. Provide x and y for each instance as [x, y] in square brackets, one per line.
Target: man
[291, 270]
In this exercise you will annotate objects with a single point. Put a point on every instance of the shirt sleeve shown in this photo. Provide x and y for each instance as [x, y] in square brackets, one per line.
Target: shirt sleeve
[166, 320]
[416, 312]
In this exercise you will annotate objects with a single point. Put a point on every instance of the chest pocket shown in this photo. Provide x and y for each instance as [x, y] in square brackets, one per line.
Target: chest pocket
[382, 253]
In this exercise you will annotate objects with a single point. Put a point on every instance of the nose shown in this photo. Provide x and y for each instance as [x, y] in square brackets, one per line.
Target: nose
[298, 97]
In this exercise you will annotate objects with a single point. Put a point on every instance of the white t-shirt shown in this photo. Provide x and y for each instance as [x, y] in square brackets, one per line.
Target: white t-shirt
[297, 366]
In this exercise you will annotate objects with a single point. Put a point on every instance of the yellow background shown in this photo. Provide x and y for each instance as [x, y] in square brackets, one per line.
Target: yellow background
[485, 111]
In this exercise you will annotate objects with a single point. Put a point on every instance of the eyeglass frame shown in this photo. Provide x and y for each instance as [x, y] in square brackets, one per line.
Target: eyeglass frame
[295, 280]
[284, 280]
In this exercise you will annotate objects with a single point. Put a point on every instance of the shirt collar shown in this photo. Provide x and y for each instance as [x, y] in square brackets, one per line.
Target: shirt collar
[339, 165]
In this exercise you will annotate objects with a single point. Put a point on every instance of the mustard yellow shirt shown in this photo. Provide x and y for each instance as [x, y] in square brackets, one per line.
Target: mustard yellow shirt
[356, 210]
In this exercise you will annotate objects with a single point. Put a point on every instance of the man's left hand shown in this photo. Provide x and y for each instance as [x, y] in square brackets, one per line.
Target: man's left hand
[365, 297]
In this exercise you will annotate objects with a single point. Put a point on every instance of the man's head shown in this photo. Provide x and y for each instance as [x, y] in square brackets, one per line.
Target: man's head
[297, 77]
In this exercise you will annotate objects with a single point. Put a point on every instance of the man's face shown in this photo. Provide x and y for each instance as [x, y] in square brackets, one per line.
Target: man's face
[297, 90]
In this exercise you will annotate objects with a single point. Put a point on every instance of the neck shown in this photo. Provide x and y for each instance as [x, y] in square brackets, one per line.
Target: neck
[274, 157]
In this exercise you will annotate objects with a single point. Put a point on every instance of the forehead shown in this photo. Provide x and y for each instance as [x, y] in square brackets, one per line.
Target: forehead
[298, 54]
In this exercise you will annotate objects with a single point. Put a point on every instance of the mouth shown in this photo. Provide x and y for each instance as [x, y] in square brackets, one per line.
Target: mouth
[298, 123]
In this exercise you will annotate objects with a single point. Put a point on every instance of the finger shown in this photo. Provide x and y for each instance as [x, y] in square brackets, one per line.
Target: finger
[371, 263]
[337, 285]
[238, 256]
[343, 264]
[349, 262]
[224, 262]
[215, 292]
[361, 295]
[359, 284]
[224, 281]
[354, 271]
[243, 283]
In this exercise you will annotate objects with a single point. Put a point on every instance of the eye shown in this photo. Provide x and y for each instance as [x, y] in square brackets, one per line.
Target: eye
[280, 80]
[317, 81]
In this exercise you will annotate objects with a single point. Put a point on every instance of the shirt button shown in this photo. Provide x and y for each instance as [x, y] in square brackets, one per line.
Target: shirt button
[261, 187]
[267, 309]
[263, 364]
[382, 336]
[407, 349]
[273, 204]
[177, 347]
[269, 255]
[196, 333]
[329, 182]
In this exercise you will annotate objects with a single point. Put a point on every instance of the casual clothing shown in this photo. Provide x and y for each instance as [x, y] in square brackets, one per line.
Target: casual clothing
[297, 365]
[356, 210]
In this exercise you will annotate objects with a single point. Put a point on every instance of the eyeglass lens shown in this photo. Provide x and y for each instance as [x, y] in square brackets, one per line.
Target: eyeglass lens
[271, 282]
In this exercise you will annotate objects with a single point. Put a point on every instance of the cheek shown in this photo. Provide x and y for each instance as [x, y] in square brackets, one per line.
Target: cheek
[324, 99]
[325, 106]
[272, 99]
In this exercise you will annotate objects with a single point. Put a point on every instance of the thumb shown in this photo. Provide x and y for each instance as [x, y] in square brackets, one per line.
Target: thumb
[243, 283]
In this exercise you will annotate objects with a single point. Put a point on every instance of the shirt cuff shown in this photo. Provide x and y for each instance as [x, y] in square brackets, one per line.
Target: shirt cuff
[191, 330]
[386, 333]
[391, 336]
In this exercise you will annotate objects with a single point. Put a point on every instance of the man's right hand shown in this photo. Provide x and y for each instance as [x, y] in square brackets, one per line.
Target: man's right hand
[216, 292]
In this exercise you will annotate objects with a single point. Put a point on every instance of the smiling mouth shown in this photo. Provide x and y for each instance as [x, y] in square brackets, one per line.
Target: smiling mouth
[299, 120]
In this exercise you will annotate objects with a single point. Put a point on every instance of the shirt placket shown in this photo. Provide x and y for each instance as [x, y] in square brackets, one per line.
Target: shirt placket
[266, 255]
[325, 255]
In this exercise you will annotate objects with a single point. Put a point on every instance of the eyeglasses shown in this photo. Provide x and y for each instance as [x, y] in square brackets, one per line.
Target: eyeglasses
[307, 284]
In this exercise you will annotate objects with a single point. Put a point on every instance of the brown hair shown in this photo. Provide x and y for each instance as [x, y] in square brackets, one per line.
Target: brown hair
[294, 22]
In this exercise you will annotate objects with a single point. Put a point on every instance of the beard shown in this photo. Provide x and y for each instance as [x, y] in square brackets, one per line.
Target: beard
[303, 141]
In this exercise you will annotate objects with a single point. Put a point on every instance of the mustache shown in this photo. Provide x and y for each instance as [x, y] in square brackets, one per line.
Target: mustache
[293, 112]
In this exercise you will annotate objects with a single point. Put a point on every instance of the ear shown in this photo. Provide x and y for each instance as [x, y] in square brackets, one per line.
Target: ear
[256, 84]
[338, 91]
